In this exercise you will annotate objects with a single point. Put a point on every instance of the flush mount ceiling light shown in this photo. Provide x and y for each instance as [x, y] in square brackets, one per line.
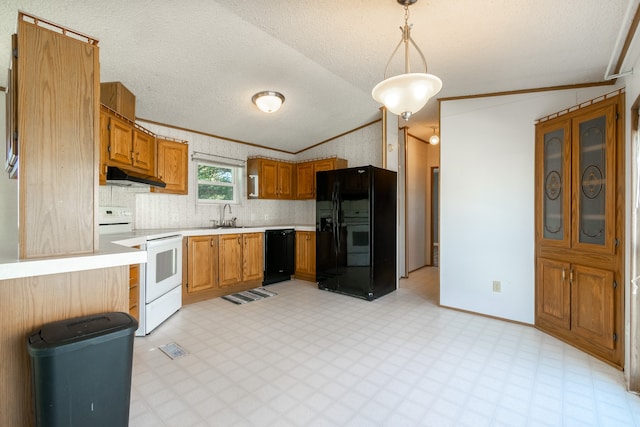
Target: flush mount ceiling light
[406, 93]
[268, 100]
[434, 139]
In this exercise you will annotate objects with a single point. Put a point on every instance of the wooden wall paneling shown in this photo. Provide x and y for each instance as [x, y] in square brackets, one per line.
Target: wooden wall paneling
[58, 99]
[28, 303]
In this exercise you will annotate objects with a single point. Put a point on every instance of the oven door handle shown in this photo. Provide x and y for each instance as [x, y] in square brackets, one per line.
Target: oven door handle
[163, 241]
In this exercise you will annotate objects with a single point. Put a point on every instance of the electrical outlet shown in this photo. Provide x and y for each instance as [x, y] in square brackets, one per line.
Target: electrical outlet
[266, 217]
[497, 286]
[175, 217]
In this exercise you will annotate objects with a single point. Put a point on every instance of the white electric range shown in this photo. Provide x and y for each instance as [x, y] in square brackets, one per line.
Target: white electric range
[160, 278]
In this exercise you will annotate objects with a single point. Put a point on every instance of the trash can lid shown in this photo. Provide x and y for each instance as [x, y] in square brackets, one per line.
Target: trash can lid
[81, 328]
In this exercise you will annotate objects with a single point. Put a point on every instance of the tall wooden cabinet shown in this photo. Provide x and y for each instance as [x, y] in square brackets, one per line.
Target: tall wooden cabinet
[57, 124]
[580, 227]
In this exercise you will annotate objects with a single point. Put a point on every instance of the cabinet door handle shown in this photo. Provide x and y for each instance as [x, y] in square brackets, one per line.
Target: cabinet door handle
[563, 274]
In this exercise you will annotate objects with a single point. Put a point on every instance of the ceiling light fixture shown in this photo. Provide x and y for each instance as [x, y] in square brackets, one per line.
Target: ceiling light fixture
[268, 101]
[435, 139]
[407, 93]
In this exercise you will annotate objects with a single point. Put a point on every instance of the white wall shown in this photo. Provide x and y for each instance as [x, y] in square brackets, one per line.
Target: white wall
[487, 199]
[8, 202]
[632, 96]
[156, 210]
[361, 148]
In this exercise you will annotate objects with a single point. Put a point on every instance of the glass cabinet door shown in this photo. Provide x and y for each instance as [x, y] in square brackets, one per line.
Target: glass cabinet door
[554, 182]
[593, 180]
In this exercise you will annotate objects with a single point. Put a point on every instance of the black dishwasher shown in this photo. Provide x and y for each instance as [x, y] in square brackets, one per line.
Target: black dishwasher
[279, 255]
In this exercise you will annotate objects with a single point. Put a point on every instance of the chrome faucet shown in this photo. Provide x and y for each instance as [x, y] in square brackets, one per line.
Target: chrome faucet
[222, 221]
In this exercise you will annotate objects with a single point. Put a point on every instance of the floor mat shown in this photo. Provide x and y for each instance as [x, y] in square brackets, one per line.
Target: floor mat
[249, 296]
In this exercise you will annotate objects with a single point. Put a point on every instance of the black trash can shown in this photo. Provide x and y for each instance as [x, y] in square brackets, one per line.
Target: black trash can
[82, 370]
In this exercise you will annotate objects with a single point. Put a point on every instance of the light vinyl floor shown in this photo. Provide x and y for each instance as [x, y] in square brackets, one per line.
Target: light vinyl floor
[313, 358]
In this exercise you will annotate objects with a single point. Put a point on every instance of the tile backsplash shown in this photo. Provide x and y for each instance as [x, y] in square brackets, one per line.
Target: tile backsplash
[157, 210]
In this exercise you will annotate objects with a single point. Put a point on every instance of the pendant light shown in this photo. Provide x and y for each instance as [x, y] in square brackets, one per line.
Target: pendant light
[268, 101]
[407, 93]
[434, 139]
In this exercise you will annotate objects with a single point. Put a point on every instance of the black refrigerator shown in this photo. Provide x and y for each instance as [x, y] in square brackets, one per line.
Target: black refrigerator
[356, 231]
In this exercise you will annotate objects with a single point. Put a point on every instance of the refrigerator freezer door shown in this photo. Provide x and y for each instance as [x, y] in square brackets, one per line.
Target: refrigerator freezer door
[356, 229]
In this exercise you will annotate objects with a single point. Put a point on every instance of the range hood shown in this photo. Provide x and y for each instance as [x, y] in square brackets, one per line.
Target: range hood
[117, 176]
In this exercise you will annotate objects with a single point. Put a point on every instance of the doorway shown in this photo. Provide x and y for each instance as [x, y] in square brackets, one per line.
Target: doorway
[435, 209]
[422, 167]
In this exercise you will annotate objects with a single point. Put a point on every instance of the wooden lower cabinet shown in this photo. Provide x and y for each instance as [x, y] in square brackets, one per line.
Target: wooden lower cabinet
[553, 295]
[306, 255]
[230, 259]
[218, 265]
[577, 304]
[200, 268]
[134, 291]
[241, 258]
[252, 257]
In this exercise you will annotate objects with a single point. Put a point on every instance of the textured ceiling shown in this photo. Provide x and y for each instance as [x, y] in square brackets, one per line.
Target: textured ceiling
[196, 63]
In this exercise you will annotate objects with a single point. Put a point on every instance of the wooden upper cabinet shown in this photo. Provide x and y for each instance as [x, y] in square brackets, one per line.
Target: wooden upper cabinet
[118, 98]
[173, 167]
[57, 121]
[275, 178]
[143, 152]
[305, 180]
[594, 180]
[285, 181]
[306, 175]
[129, 147]
[120, 141]
[104, 146]
[576, 182]
[553, 184]
[268, 173]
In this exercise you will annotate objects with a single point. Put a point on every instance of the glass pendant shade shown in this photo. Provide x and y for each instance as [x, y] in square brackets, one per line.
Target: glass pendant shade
[434, 140]
[406, 94]
[268, 101]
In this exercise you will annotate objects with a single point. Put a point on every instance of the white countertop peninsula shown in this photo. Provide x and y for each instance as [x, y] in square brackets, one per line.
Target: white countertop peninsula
[115, 250]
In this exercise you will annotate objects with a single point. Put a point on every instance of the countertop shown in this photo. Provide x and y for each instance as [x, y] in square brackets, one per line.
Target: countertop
[116, 250]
